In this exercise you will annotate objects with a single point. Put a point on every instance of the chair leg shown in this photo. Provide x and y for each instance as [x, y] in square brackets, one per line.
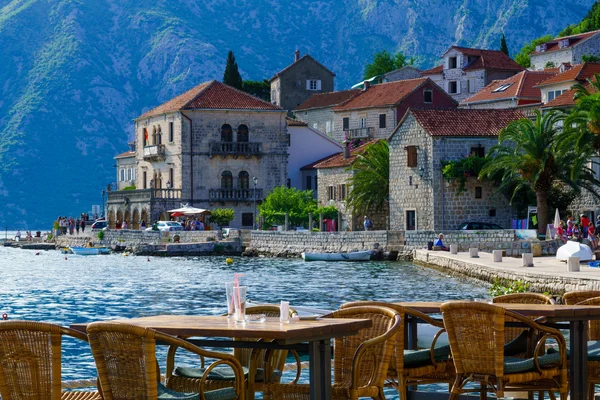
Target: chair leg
[591, 391]
[456, 388]
[551, 393]
[483, 391]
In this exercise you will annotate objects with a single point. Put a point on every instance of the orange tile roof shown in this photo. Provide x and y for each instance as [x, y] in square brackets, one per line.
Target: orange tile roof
[579, 72]
[306, 56]
[337, 160]
[330, 99]
[312, 164]
[564, 100]
[295, 122]
[522, 86]
[211, 95]
[464, 122]
[552, 45]
[433, 71]
[126, 154]
[383, 94]
[489, 59]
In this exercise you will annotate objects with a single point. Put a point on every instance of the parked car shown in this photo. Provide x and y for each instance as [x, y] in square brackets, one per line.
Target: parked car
[477, 226]
[99, 224]
[164, 226]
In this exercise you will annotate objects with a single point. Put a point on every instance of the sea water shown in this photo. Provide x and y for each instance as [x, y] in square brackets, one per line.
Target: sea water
[64, 289]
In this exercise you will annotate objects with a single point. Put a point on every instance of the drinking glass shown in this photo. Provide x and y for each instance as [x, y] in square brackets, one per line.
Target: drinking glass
[239, 303]
[229, 296]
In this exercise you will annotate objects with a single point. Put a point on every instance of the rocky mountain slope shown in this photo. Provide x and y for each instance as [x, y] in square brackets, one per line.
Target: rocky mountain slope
[74, 73]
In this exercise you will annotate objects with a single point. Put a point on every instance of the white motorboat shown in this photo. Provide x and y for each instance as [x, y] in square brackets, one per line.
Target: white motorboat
[89, 251]
[574, 249]
[352, 256]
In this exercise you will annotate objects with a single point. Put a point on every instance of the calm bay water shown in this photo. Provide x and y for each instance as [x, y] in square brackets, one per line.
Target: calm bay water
[64, 289]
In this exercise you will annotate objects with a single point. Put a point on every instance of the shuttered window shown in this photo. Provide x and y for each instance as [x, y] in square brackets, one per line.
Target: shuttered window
[411, 154]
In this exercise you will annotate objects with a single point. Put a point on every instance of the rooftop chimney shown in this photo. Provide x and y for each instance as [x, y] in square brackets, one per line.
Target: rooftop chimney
[366, 85]
[296, 55]
[346, 149]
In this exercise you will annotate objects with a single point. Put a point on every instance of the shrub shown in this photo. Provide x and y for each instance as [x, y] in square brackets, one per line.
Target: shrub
[101, 235]
[506, 286]
[132, 187]
[222, 216]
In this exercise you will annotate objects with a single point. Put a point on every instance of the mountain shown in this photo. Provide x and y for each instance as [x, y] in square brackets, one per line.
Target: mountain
[74, 73]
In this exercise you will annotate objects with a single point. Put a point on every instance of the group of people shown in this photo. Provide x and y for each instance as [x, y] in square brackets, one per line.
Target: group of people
[584, 229]
[71, 225]
[192, 224]
[28, 236]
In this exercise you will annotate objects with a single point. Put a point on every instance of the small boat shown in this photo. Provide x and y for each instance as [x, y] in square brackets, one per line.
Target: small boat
[574, 249]
[89, 251]
[352, 256]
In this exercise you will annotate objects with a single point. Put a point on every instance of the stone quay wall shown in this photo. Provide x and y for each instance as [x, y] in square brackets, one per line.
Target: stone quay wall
[135, 238]
[292, 243]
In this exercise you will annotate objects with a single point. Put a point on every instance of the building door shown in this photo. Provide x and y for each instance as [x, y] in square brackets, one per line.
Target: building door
[411, 220]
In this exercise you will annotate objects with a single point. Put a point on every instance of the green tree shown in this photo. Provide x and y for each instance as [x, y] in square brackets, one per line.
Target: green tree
[221, 216]
[232, 76]
[583, 123]
[590, 22]
[589, 58]
[523, 58]
[297, 203]
[530, 154]
[384, 62]
[370, 182]
[503, 45]
[261, 89]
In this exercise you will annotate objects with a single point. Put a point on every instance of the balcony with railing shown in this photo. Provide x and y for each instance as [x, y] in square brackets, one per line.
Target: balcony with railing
[154, 153]
[358, 133]
[236, 149]
[235, 194]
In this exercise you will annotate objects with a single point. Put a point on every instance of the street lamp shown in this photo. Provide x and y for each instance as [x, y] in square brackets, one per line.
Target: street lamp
[255, 180]
[103, 202]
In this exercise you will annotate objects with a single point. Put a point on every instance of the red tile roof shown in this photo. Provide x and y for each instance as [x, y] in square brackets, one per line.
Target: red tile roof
[564, 100]
[312, 164]
[579, 72]
[307, 57]
[337, 160]
[126, 154]
[574, 40]
[330, 99]
[434, 71]
[295, 122]
[489, 59]
[522, 86]
[464, 122]
[212, 95]
[383, 94]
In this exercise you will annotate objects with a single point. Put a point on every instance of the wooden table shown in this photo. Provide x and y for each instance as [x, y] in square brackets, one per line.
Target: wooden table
[576, 316]
[317, 333]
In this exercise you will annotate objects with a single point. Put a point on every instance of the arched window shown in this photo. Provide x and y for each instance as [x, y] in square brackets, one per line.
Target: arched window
[226, 180]
[145, 137]
[226, 133]
[159, 135]
[153, 135]
[243, 180]
[242, 133]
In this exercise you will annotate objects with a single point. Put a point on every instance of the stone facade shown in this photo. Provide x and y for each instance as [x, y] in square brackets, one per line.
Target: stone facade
[571, 55]
[400, 74]
[297, 82]
[321, 119]
[126, 170]
[423, 193]
[372, 122]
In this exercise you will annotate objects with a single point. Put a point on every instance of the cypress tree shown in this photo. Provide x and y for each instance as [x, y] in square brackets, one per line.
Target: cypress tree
[232, 76]
[503, 45]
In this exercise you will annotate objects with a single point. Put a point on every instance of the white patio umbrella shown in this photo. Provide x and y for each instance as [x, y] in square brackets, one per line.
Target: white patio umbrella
[556, 219]
[187, 210]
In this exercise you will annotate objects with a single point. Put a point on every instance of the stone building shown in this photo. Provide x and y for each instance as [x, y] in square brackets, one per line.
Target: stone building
[517, 91]
[307, 145]
[126, 168]
[305, 77]
[203, 148]
[333, 183]
[556, 90]
[466, 71]
[400, 74]
[375, 111]
[317, 110]
[565, 50]
[420, 197]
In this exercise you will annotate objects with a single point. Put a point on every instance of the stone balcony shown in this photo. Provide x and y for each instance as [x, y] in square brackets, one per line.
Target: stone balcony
[235, 194]
[358, 133]
[236, 149]
[154, 153]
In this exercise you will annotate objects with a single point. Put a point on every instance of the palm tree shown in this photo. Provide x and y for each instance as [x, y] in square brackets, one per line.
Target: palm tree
[370, 183]
[531, 154]
[583, 123]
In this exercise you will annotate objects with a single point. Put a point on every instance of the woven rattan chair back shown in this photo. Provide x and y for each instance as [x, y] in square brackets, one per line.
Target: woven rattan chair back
[511, 333]
[374, 365]
[594, 325]
[476, 337]
[30, 359]
[577, 296]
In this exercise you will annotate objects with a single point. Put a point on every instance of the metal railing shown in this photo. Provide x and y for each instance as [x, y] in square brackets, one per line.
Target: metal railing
[235, 149]
[234, 194]
[358, 133]
[154, 152]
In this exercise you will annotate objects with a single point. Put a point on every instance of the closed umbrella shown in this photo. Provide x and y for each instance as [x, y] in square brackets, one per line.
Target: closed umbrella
[556, 219]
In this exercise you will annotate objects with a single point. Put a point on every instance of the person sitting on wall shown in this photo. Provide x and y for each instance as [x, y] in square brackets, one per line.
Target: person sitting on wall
[440, 244]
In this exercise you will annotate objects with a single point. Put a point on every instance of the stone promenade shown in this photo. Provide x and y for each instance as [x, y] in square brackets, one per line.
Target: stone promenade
[547, 274]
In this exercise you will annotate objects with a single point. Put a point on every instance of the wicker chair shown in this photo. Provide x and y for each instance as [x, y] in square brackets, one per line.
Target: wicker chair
[577, 296]
[409, 367]
[360, 361]
[476, 335]
[189, 379]
[30, 361]
[125, 357]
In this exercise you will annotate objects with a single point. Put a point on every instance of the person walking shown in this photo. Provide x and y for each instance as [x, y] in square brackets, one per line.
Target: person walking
[82, 225]
[367, 224]
[77, 225]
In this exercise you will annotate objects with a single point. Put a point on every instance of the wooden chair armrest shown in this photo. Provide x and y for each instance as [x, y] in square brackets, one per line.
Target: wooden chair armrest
[424, 317]
[432, 347]
[540, 348]
[268, 370]
[531, 323]
[170, 365]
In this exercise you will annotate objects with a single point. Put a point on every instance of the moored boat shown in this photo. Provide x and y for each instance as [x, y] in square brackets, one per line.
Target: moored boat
[574, 249]
[89, 251]
[352, 256]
